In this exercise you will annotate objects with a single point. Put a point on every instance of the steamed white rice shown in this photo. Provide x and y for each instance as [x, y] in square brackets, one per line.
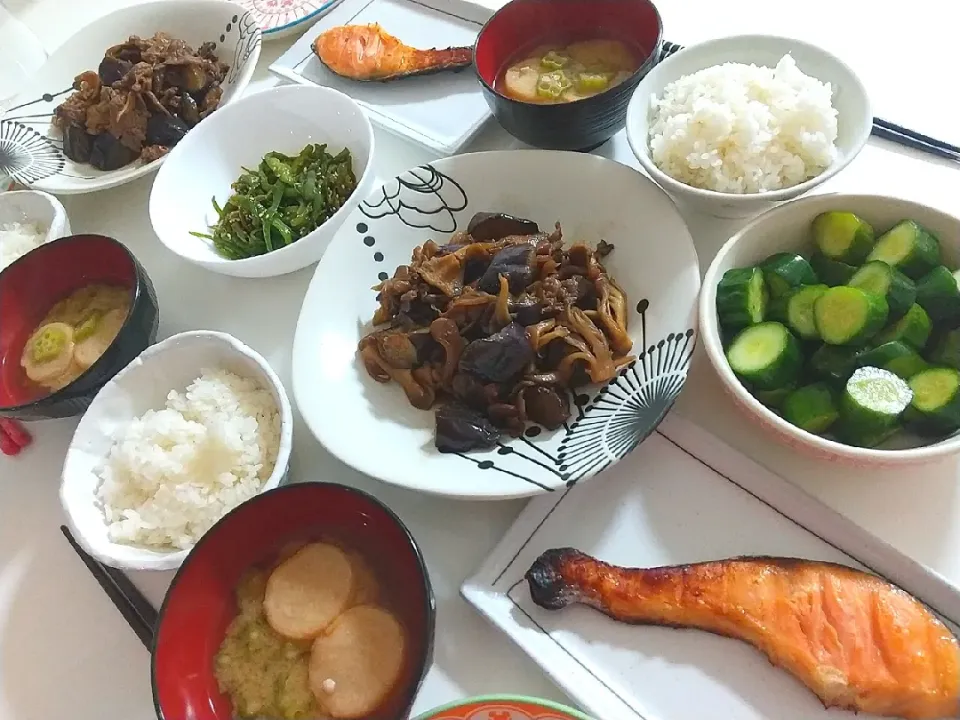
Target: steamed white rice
[172, 473]
[17, 239]
[744, 129]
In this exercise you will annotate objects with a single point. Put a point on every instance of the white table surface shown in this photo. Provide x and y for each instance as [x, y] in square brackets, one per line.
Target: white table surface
[65, 652]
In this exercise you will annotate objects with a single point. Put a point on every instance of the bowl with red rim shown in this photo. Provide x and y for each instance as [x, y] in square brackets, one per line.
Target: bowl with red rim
[31, 285]
[521, 25]
[503, 707]
[200, 603]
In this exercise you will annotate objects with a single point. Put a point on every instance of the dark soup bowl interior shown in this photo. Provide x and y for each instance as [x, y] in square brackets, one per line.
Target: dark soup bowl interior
[522, 25]
[201, 601]
[32, 285]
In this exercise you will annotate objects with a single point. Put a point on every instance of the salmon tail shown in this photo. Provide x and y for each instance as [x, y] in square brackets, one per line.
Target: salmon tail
[548, 587]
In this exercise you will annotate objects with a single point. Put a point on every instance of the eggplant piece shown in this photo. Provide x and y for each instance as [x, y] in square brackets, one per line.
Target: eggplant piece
[500, 357]
[166, 130]
[77, 143]
[113, 69]
[527, 313]
[189, 77]
[460, 429]
[515, 262]
[486, 226]
[546, 406]
[189, 110]
[108, 153]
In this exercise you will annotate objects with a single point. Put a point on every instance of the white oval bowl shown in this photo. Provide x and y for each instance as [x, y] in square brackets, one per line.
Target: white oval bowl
[212, 156]
[373, 428]
[143, 385]
[855, 118]
[27, 125]
[787, 228]
[33, 206]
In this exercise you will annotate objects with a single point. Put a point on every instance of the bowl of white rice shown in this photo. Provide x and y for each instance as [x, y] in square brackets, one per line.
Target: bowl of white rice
[196, 425]
[28, 219]
[733, 126]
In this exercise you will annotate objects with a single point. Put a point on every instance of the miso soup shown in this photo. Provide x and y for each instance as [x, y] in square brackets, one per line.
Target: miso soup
[563, 73]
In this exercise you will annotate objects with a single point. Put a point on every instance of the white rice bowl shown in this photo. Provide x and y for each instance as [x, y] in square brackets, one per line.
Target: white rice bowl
[167, 448]
[175, 471]
[737, 128]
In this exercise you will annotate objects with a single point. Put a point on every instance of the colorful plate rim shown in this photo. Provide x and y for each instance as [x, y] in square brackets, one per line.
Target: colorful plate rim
[501, 702]
[276, 30]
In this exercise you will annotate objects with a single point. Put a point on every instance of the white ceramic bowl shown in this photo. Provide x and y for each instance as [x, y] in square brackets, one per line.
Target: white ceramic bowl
[854, 118]
[372, 426]
[787, 228]
[31, 206]
[211, 157]
[171, 364]
[35, 144]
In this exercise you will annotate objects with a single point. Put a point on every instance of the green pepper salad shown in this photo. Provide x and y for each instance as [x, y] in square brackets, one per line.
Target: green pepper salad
[284, 199]
[856, 341]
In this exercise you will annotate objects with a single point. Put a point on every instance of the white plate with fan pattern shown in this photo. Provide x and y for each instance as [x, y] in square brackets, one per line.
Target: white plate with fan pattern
[372, 427]
[31, 149]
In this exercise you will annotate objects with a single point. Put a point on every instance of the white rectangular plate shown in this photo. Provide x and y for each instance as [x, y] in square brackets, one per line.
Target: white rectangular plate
[681, 497]
[442, 112]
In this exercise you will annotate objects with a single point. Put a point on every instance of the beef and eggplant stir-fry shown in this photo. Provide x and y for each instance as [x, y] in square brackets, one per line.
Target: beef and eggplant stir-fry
[493, 329]
[141, 101]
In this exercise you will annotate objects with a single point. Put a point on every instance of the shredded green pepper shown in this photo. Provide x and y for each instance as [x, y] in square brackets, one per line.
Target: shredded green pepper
[280, 202]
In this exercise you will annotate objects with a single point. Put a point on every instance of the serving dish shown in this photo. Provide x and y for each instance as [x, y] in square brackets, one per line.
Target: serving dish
[200, 602]
[505, 707]
[33, 206]
[30, 286]
[654, 261]
[584, 124]
[440, 112]
[282, 18]
[211, 157]
[683, 497]
[850, 99]
[788, 228]
[143, 385]
[35, 145]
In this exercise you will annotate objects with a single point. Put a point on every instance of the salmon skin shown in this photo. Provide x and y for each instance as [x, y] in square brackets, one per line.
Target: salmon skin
[858, 642]
[367, 52]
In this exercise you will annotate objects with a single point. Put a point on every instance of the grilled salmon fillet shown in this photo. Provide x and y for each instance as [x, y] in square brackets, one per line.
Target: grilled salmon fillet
[367, 52]
[852, 638]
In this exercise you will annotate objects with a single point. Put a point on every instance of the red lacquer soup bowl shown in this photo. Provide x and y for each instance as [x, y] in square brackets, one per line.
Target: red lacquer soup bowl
[521, 25]
[32, 285]
[201, 601]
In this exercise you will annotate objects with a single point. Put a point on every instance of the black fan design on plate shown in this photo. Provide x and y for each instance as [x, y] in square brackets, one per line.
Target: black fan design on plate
[610, 420]
[26, 155]
[420, 198]
[247, 42]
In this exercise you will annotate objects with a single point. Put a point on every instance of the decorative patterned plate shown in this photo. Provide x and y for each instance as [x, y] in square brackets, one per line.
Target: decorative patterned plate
[503, 707]
[31, 148]
[280, 18]
[373, 428]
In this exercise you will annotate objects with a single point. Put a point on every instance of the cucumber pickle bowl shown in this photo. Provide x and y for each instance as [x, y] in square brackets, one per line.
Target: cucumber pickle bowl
[833, 322]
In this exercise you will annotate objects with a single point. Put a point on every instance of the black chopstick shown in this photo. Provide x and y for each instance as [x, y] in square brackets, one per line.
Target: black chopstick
[883, 129]
[140, 615]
